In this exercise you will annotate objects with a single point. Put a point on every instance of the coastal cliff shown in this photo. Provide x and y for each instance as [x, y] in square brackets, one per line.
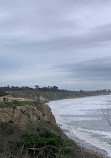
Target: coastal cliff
[28, 129]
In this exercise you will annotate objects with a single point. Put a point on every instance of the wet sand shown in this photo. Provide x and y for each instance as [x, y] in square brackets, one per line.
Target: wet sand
[87, 153]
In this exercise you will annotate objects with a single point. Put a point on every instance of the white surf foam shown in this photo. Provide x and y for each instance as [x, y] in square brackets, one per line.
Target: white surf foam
[83, 110]
[90, 139]
[102, 133]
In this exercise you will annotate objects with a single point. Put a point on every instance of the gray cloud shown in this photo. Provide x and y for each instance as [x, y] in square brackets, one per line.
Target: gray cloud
[98, 69]
[36, 35]
[97, 37]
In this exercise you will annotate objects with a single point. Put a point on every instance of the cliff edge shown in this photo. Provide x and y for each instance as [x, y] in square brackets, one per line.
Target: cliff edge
[24, 115]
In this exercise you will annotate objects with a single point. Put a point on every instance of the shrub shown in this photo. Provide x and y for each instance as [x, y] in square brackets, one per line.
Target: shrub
[45, 144]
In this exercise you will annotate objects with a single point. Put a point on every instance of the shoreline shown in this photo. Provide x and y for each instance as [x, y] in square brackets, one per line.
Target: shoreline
[77, 97]
[91, 154]
[84, 151]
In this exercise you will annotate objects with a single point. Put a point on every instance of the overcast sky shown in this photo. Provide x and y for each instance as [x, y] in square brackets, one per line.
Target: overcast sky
[66, 43]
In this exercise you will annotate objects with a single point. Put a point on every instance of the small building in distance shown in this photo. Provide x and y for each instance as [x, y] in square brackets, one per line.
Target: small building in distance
[5, 99]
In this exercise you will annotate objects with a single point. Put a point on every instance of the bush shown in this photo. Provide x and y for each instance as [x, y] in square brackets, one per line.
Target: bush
[46, 144]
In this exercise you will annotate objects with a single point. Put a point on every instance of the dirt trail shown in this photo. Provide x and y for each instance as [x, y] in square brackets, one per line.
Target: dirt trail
[11, 98]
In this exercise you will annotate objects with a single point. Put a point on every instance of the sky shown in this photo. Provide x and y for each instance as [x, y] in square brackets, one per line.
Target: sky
[66, 43]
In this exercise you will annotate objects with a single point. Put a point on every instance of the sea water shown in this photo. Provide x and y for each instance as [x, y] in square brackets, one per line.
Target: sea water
[83, 120]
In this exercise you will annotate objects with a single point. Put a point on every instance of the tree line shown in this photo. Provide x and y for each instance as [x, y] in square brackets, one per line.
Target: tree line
[36, 88]
[48, 89]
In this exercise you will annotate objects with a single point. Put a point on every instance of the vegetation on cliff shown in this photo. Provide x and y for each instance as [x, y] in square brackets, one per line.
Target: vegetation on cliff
[41, 145]
[2, 93]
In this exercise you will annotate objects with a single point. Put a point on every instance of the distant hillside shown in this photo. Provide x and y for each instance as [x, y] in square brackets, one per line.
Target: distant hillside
[50, 93]
[2, 93]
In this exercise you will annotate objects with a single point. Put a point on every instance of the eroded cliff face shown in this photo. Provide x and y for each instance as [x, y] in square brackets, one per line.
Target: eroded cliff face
[27, 114]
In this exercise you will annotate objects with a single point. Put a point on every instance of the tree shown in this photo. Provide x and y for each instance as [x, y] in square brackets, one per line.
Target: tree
[36, 87]
[54, 88]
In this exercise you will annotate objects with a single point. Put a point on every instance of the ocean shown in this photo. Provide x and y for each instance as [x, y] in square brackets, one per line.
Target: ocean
[83, 120]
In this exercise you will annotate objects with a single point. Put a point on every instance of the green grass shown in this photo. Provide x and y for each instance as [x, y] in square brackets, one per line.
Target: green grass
[28, 102]
[5, 104]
